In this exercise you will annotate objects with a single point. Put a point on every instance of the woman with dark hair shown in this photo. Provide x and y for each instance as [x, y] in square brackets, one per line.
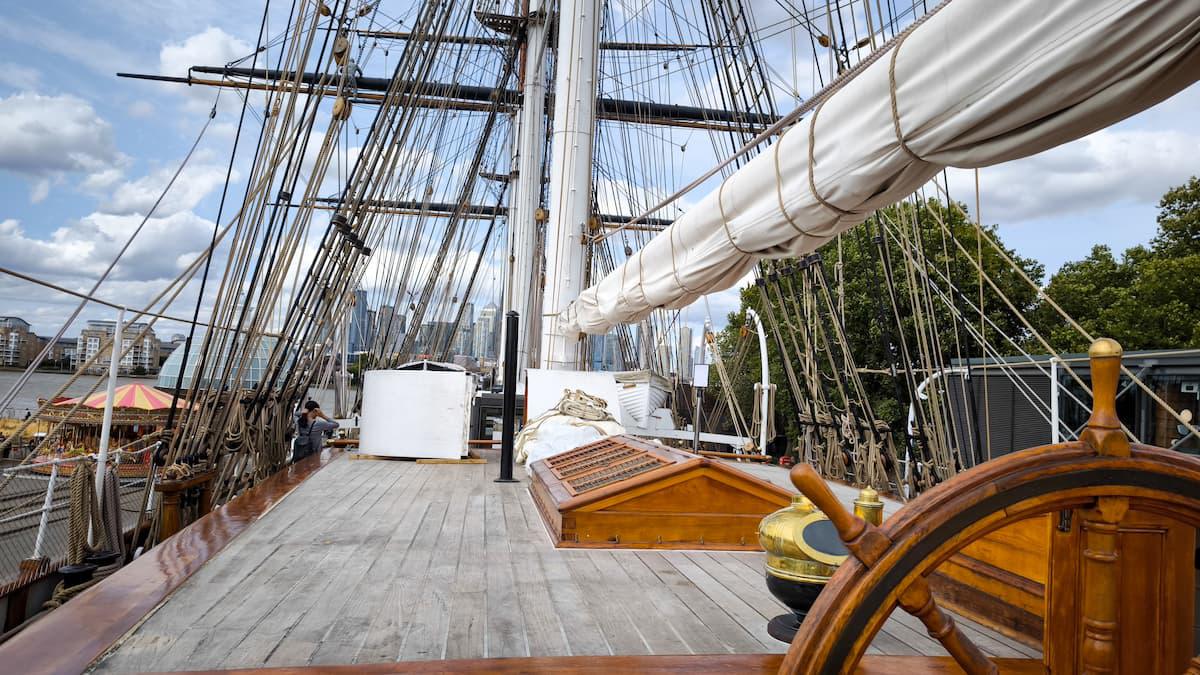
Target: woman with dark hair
[311, 426]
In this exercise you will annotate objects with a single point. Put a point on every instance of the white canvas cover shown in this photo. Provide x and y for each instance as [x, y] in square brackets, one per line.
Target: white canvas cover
[978, 83]
[416, 413]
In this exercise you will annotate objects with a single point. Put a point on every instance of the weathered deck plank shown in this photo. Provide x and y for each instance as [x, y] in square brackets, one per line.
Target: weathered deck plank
[373, 562]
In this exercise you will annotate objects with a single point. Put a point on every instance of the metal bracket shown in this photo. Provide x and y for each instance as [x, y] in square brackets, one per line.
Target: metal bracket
[1064, 520]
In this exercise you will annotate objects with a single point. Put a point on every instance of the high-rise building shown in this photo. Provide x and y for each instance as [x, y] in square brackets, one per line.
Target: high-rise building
[360, 326]
[684, 353]
[433, 338]
[465, 340]
[18, 344]
[389, 329]
[606, 352]
[487, 326]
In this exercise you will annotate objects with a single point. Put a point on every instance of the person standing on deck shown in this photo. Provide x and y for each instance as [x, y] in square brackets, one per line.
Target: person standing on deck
[311, 426]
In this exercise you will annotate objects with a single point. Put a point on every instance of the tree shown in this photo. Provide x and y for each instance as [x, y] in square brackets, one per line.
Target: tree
[1179, 222]
[1146, 300]
[923, 250]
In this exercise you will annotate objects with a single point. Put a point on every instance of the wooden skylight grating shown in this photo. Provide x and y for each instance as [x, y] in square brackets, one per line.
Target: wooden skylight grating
[603, 463]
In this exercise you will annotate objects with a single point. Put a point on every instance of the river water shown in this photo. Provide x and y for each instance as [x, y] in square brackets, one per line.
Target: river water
[45, 385]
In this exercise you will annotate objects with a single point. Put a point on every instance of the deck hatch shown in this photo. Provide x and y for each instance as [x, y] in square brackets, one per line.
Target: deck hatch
[604, 463]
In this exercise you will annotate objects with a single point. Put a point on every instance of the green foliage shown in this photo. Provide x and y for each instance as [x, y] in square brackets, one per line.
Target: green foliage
[1145, 300]
[873, 325]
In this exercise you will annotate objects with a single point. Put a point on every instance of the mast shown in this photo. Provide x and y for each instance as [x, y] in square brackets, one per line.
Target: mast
[570, 176]
[524, 293]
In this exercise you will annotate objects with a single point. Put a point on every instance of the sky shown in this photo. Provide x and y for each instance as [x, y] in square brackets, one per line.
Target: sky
[84, 154]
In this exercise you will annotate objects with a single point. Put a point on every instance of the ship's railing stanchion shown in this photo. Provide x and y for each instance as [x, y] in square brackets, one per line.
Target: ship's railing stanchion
[510, 398]
[47, 505]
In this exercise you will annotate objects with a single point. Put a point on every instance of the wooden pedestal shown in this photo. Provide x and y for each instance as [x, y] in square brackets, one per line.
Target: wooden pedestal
[1003, 582]
[170, 513]
[1155, 590]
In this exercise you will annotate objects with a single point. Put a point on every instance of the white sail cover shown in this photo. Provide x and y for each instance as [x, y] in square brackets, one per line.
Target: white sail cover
[978, 83]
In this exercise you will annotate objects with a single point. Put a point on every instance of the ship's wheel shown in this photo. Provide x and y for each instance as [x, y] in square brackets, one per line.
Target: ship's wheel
[1101, 478]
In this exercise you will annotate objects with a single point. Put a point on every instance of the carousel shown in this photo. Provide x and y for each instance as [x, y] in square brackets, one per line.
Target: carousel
[138, 412]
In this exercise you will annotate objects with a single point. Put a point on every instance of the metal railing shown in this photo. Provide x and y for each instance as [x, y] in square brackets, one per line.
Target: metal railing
[35, 504]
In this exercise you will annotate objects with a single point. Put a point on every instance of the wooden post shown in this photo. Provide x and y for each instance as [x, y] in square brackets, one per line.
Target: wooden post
[1101, 550]
[170, 516]
[1121, 578]
[205, 499]
[171, 510]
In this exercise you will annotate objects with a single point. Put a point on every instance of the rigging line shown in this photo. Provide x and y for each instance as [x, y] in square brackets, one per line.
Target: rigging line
[1142, 385]
[1033, 331]
[213, 244]
[987, 409]
[24, 378]
[322, 267]
[279, 217]
[264, 164]
[1019, 382]
[973, 417]
[136, 314]
[787, 119]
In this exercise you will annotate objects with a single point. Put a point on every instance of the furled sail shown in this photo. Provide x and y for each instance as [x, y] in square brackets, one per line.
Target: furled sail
[977, 83]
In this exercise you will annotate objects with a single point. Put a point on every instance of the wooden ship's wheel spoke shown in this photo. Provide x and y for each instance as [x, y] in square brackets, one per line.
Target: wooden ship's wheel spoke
[1102, 480]
[868, 545]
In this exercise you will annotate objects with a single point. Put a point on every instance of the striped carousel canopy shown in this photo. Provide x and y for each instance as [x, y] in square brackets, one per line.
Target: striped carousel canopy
[136, 396]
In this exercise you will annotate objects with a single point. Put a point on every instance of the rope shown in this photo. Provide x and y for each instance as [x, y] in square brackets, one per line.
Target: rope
[812, 164]
[83, 512]
[578, 403]
[892, 95]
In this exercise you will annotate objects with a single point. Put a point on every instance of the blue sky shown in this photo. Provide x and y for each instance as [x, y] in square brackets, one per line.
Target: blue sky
[83, 153]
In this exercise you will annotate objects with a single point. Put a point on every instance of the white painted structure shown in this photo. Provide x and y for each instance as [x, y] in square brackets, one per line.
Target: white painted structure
[765, 403]
[416, 413]
[642, 392]
[570, 202]
[523, 295]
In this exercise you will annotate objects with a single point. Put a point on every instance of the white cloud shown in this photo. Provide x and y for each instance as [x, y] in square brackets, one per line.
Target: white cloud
[46, 137]
[195, 182]
[40, 191]
[102, 181]
[141, 109]
[21, 78]
[84, 248]
[1107, 167]
[210, 47]
[40, 135]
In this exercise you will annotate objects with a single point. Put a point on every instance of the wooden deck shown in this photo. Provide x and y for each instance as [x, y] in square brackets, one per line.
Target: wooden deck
[379, 561]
